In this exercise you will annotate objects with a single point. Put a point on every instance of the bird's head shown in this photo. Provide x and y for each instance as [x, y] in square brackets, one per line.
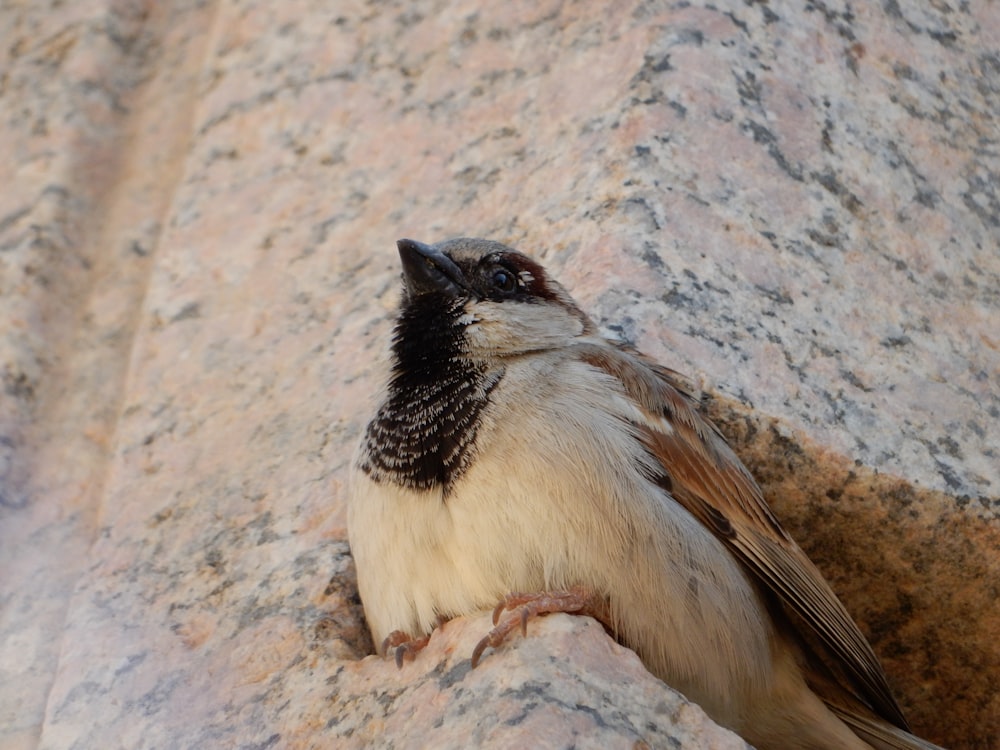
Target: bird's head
[484, 301]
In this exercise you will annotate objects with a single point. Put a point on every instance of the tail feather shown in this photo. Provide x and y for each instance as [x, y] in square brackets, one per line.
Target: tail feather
[880, 734]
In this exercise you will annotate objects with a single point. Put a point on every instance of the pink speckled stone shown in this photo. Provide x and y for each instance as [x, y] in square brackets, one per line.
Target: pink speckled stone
[556, 688]
[797, 206]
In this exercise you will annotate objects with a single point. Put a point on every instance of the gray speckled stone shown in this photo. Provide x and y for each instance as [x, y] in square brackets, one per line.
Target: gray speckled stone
[553, 689]
[796, 205]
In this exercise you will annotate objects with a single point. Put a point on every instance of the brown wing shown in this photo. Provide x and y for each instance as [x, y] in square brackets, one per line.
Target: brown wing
[707, 478]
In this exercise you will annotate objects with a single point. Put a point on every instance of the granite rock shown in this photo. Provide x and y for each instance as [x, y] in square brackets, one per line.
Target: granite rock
[566, 685]
[798, 206]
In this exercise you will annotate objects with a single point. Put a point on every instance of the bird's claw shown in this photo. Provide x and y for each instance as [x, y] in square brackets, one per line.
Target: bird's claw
[522, 607]
[405, 647]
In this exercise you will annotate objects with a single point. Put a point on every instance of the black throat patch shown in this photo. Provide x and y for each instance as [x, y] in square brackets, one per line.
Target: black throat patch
[423, 435]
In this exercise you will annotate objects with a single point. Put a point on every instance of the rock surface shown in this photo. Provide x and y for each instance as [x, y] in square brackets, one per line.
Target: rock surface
[799, 206]
[566, 685]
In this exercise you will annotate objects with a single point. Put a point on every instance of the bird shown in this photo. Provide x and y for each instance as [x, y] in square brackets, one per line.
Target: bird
[520, 461]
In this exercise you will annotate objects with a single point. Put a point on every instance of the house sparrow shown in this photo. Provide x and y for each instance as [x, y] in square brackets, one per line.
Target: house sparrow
[516, 450]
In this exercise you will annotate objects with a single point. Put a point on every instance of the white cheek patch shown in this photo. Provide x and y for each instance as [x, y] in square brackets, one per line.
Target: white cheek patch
[513, 327]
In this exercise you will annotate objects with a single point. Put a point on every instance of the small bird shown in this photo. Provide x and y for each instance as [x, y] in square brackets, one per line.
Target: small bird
[520, 461]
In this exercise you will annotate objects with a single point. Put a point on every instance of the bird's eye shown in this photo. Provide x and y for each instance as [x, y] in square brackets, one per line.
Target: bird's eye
[504, 280]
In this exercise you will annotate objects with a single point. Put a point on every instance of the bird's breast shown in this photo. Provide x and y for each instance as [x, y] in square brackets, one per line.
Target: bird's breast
[424, 433]
[557, 492]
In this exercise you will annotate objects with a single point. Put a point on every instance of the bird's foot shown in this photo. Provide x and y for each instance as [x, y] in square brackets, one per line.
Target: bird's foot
[403, 646]
[520, 607]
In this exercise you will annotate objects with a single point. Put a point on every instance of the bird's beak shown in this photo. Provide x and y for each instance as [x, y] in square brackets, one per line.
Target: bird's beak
[426, 269]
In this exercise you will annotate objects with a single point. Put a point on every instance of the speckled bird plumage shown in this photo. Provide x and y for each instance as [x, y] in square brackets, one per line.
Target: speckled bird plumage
[517, 450]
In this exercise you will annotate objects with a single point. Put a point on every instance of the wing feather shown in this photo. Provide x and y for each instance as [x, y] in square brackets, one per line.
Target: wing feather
[707, 479]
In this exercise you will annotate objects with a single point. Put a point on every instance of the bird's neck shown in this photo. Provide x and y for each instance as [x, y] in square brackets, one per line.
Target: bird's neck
[423, 434]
